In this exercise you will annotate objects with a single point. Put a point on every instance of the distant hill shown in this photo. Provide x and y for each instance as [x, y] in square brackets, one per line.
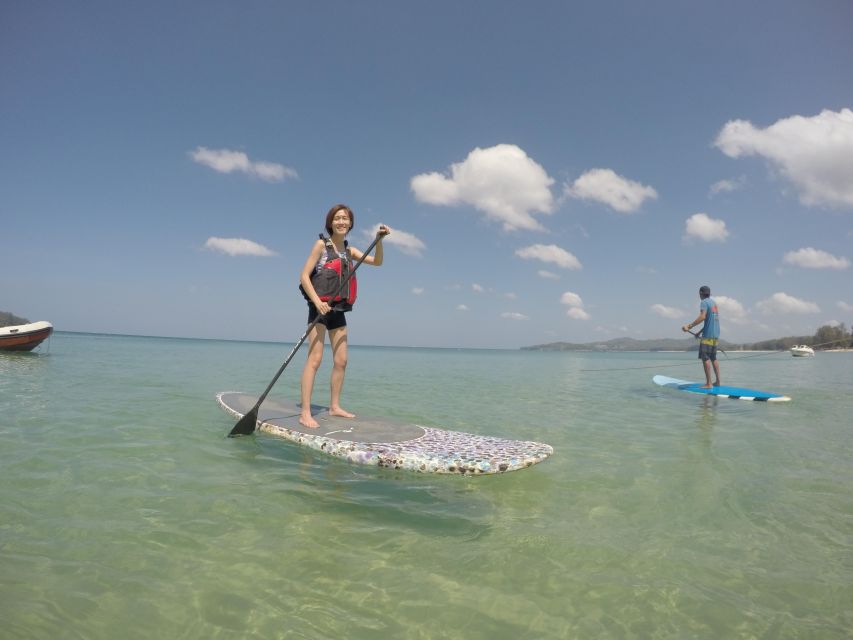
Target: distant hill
[9, 319]
[624, 344]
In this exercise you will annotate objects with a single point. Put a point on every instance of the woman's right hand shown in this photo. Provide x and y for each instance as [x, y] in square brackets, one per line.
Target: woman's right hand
[323, 308]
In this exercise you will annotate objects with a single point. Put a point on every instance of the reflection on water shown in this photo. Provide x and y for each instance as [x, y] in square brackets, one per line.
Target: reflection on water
[19, 363]
[707, 414]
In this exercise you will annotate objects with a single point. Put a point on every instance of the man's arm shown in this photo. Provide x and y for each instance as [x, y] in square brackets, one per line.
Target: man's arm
[700, 318]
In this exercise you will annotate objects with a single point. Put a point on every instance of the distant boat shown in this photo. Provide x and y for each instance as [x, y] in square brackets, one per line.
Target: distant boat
[801, 351]
[24, 337]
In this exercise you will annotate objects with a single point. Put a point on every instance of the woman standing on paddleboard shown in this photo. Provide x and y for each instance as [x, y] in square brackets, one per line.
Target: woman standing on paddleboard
[339, 222]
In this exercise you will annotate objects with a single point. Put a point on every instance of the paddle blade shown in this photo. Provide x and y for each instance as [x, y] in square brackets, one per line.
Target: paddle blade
[246, 425]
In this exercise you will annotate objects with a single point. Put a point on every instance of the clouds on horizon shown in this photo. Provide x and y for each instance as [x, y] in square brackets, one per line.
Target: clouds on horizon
[510, 188]
[814, 153]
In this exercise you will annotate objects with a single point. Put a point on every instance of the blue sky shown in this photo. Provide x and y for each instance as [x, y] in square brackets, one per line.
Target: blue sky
[551, 170]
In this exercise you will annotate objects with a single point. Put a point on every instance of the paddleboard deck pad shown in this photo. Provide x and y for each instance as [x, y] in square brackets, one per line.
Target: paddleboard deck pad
[734, 393]
[385, 443]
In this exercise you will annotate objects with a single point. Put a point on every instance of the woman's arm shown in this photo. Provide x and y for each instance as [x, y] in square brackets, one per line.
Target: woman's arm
[378, 254]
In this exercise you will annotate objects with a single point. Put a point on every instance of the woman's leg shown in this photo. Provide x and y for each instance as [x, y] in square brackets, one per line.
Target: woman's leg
[338, 340]
[316, 338]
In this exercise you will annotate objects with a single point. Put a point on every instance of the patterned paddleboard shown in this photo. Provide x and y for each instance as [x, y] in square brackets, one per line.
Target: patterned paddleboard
[386, 443]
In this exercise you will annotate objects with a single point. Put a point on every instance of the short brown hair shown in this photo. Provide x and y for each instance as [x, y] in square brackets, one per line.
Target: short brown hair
[330, 216]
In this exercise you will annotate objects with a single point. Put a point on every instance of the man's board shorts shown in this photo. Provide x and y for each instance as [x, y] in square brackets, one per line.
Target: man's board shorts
[707, 349]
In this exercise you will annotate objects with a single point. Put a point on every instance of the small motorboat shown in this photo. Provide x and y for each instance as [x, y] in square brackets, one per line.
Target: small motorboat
[801, 351]
[24, 337]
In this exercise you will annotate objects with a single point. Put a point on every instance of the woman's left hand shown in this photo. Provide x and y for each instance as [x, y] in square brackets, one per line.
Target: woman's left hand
[384, 230]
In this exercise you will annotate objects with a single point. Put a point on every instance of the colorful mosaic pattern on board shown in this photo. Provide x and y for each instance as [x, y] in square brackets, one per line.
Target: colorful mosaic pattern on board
[437, 451]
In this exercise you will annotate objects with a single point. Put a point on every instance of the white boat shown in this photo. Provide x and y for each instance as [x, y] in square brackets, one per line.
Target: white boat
[801, 351]
[24, 337]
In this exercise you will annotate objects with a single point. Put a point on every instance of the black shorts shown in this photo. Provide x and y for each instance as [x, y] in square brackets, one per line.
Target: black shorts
[707, 352]
[332, 320]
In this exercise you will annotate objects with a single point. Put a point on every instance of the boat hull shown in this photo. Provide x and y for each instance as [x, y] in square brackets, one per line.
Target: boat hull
[802, 352]
[24, 337]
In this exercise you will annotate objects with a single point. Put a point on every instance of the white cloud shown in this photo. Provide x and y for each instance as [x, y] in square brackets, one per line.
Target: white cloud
[731, 310]
[462, 307]
[227, 161]
[575, 304]
[782, 303]
[548, 275]
[550, 253]
[477, 288]
[814, 153]
[702, 226]
[608, 187]
[577, 313]
[406, 242]
[848, 308]
[571, 299]
[810, 258]
[237, 247]
[667, 312]
[417, 291]
[727, 186]
[501, 181]
[513, 315]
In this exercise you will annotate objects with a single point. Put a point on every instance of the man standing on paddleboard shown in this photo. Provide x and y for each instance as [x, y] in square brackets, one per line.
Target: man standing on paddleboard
[708, 337]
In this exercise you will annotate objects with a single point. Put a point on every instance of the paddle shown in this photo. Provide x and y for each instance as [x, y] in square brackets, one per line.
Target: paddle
[246, 425]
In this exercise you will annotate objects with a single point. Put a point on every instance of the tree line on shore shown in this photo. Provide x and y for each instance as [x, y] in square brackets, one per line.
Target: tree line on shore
[826, 337]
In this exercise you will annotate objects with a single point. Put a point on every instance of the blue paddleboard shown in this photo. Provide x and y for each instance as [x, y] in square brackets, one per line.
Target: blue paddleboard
[735, 393]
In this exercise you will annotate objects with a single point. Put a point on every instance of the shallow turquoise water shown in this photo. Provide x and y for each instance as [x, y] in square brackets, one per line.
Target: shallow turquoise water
[125, 512]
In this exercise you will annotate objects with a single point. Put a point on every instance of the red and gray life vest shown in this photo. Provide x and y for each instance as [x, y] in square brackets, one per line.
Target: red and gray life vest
[327, 279]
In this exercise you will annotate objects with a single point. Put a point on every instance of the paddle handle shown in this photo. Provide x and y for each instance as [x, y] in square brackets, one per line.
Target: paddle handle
[311, 326]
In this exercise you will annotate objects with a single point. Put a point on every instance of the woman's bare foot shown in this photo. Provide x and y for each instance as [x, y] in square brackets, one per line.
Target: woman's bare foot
[308, 421]
[341, 413]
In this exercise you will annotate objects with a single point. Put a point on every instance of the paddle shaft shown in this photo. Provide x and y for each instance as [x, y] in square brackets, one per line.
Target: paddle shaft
[246, 425]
